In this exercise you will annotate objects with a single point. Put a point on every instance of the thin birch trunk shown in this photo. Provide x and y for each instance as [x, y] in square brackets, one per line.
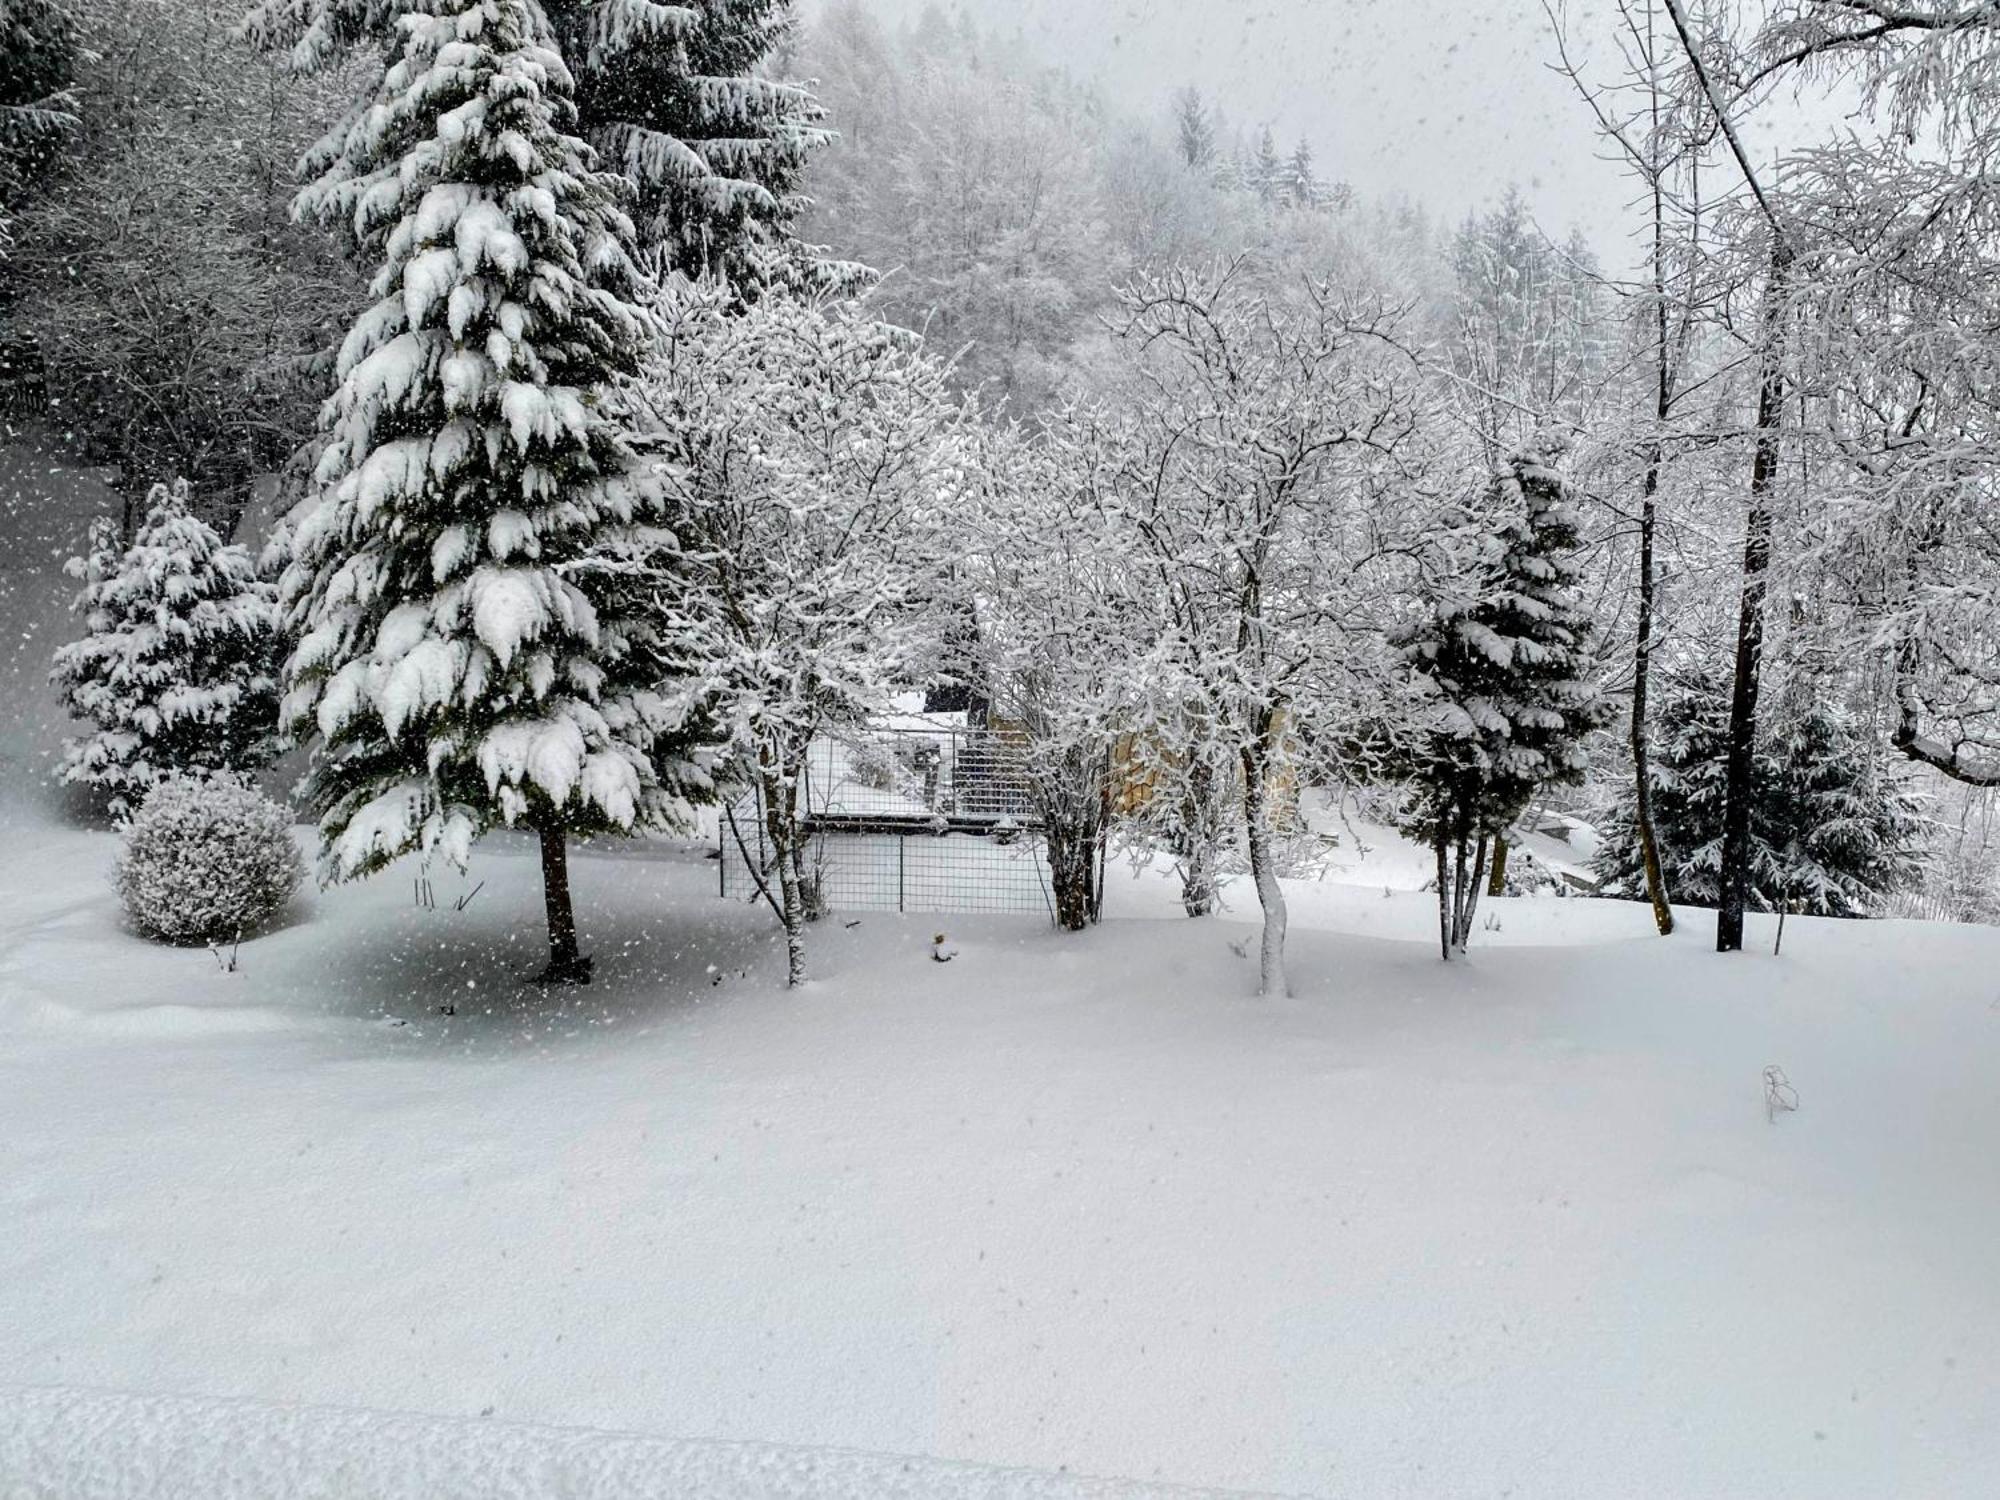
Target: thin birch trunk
[1438, 843]
[781, 827]
[1264, 874]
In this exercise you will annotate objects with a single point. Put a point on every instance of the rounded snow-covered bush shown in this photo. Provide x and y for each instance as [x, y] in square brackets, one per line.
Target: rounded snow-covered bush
[206, 860]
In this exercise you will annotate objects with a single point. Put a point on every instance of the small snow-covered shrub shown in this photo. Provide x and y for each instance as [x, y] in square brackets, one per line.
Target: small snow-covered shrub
[1528, 876]
[206, 860]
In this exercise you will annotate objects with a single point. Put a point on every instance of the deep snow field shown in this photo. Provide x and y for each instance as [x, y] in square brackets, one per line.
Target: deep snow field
[368, 1218]
[1519, 1225]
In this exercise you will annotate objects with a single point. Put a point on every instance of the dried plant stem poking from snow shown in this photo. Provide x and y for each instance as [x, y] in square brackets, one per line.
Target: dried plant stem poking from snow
[1779, 1095]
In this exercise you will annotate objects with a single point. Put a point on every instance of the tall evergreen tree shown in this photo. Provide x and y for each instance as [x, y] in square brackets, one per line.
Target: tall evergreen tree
[454, 673]
[682, 98]
[1301, 184]
[1834, 824]
[176, 667]
[715, 145]
[1194, 128]
[1265, 172]
[1504, 656]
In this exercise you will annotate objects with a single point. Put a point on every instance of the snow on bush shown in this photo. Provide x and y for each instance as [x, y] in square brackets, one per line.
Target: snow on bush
[206, 860]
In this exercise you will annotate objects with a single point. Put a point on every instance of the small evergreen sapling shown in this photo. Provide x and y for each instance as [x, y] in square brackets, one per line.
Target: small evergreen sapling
[1503, 657]
[454, 670]
[175, 668]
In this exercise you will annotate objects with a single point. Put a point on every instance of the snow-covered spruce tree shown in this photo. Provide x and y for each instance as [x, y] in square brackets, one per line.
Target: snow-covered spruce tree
[716, 145]
[1266, 170]
[454, 672]
[1300, 184]
[1503, 656]
[176, 667]
[679, 97]
[807, 452]
[1194, 128]
[1835, 824]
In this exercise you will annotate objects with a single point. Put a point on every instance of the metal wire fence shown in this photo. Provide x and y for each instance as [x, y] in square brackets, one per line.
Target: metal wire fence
[916, 818]
[919, 773]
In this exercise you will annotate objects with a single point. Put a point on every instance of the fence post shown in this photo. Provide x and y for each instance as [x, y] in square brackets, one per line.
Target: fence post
[902, 843]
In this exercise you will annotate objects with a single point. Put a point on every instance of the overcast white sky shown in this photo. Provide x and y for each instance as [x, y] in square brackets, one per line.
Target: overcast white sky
[1445, 100]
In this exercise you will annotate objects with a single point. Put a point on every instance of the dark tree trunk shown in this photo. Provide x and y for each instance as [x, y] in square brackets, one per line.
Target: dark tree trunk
[1649, 510]
[1072, 794]
[1642, 672]
[1496, 884]
[1072, 876]
[566, 964]
[1459, 879]
[1470, 903]
[1740, 764]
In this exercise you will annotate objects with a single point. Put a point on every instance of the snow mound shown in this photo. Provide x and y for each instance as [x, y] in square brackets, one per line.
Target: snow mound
[63, 1444]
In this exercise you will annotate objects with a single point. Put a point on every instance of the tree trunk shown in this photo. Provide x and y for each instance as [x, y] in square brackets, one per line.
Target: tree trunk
[1472, 890]
[566, 964]
[1263, 870]
[1101, 846]
[1199, 835]
[1642, 643]
[1071, 793]
[1642, 671]
[1072, 870]
[1458, 886]
[1740, 765]
[781, 827]
[1072, 892]
[1496, 884]
[1438, 843]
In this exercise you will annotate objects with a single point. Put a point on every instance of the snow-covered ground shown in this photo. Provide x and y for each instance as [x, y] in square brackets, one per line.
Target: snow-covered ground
[1517, 1225]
